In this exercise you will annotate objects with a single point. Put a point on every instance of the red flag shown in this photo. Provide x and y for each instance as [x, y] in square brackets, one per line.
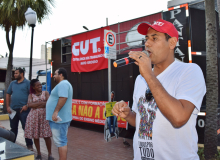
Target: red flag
[88, 51]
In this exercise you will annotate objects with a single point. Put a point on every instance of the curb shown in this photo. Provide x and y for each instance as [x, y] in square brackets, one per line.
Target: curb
[202, 146]
[4, 117]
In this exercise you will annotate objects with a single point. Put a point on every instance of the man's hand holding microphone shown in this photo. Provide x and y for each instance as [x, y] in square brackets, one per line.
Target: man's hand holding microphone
[140, 58]
[143, 61]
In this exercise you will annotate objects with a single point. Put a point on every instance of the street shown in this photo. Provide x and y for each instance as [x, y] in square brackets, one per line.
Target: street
[84, 144]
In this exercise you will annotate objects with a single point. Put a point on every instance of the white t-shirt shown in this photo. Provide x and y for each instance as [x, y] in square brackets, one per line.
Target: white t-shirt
[155, 138]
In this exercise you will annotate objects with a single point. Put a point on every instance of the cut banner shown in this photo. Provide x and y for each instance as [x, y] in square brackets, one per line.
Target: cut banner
[88, 51]
[92, 112]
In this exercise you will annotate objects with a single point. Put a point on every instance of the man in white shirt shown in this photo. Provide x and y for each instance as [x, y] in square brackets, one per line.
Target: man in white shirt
[166, 99]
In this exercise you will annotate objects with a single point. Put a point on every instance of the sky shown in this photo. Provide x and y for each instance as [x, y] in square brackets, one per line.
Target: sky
[68, 17]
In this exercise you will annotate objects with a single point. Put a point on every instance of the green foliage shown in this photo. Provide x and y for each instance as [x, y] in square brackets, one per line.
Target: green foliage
[218, 155]
[12, 11]
[202, 155]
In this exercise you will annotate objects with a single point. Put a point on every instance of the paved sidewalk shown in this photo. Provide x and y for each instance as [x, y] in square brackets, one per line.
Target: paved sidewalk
[84, 145]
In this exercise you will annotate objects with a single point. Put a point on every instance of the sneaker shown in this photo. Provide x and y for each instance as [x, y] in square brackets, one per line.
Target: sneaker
[38, 157]
[116, 135]
[109, 137]
[30, 147]
[112, 134]
[50, 158]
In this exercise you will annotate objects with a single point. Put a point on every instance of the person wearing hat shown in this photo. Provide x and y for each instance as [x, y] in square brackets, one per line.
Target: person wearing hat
[166, 99]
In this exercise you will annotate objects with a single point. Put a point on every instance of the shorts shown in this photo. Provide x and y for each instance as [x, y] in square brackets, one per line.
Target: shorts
[59, 132]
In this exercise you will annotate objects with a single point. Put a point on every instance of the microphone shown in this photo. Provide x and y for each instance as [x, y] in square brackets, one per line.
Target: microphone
[126, 60]
[123, 61]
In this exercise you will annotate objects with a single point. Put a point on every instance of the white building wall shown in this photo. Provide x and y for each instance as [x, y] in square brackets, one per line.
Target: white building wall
[42, 52]
[49, 52]
[2, 85]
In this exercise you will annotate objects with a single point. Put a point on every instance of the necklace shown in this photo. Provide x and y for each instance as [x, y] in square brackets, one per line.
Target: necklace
[38, 94]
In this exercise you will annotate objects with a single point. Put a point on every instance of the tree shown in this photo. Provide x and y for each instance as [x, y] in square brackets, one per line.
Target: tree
[210, 144]
[218, 5]
[12, 17]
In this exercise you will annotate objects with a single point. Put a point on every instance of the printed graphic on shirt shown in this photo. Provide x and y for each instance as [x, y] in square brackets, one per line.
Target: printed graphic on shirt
[146, 150]
[147, 117]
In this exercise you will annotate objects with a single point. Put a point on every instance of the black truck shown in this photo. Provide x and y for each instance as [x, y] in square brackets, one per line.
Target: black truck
[189, 19]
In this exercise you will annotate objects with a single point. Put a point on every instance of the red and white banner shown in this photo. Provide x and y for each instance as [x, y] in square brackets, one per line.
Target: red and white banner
[92, 112]
[88, 51]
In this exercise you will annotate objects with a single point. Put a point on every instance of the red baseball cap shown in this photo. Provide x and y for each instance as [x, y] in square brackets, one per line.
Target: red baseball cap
[160, 26]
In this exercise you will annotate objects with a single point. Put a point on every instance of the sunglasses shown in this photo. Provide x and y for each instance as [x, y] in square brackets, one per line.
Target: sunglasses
[148, 95]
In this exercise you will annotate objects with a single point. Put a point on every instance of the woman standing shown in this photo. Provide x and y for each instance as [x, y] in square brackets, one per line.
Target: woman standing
[36, 125]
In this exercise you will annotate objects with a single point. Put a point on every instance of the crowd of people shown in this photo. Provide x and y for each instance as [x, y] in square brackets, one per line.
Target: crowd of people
[166, 101]
[41, 115]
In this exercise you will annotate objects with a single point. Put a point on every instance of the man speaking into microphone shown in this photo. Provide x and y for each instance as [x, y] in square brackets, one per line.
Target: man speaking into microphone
[166, 99]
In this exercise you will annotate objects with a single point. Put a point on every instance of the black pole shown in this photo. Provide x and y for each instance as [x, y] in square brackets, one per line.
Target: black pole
[32, 36]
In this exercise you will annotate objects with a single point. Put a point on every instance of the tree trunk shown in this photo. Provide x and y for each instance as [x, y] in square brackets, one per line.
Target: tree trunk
[210, 142]
[10, 63]
[218, 5]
